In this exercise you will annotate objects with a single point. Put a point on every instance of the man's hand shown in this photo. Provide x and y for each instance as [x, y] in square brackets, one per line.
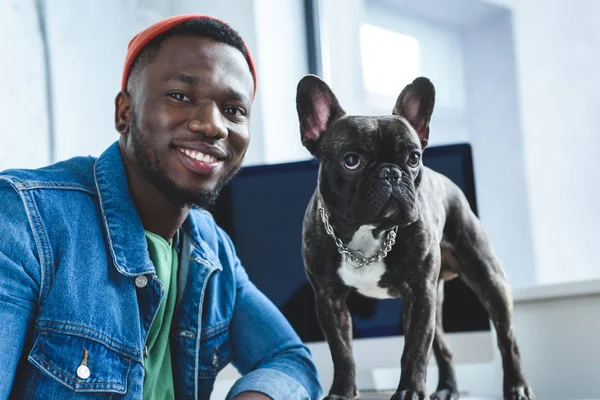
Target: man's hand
[252, 396]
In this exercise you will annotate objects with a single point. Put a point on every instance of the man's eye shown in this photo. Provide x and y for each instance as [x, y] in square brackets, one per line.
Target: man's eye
[236, 111]
[179, 96]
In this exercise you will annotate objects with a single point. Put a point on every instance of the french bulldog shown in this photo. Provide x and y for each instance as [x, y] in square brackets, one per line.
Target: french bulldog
[382, 224]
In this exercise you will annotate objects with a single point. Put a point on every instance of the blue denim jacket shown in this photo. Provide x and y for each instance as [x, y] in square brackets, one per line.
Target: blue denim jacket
[71, 247]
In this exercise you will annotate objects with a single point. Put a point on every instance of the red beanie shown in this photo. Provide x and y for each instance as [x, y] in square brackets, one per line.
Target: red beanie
[141, 39]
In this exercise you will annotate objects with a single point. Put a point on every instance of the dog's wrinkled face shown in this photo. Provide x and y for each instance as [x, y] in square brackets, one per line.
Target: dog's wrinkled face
[368, 169]
[369, 166]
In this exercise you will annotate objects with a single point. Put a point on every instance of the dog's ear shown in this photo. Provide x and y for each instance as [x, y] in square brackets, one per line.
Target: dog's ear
[317, 108]
[415, 103]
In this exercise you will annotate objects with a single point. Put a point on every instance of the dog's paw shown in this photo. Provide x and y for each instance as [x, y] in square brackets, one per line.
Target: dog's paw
[519, 392]
[409, 395]
[445, 394]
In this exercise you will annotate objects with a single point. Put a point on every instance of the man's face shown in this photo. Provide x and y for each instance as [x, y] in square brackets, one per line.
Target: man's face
[190, 115]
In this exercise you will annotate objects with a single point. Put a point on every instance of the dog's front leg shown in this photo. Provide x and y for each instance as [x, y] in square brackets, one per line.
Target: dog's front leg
[419, 303]
[336, 324]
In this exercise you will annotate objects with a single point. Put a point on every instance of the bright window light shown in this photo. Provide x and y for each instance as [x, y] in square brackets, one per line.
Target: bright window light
[390, 59]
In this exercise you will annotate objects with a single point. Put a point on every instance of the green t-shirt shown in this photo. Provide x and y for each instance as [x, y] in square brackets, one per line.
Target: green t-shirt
[158, 382]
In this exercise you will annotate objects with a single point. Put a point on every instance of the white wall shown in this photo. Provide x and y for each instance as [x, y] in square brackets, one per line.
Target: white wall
[559, 83]
[282, 62]
[496, 136]
[88, 42]
[340, 21]
[24, 129]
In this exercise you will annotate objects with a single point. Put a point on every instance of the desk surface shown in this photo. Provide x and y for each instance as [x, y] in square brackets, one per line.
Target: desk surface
[386, 396]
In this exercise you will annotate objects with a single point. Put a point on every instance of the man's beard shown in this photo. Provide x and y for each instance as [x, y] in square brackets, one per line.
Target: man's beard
[152, 168]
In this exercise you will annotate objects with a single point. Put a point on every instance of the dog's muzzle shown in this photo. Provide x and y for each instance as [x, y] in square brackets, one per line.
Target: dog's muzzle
[391, 174]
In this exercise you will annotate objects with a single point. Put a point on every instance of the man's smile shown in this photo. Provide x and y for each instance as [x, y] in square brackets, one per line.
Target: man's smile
[197, 161]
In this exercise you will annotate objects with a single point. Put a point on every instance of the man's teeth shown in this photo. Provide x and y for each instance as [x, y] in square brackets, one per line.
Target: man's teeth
[199, 156]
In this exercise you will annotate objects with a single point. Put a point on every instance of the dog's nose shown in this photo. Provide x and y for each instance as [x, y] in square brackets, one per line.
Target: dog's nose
[391, 174]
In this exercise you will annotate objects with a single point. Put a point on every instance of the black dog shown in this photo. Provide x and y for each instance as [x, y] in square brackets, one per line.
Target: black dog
[382, 224]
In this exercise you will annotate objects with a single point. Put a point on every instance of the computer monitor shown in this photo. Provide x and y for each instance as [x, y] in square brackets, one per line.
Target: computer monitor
[262, 210]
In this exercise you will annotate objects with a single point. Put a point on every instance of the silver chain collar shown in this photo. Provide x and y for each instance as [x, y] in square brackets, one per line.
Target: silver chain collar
[354, 258]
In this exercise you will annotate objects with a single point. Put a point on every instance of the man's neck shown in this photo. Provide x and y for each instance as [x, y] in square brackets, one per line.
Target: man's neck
[159, 215]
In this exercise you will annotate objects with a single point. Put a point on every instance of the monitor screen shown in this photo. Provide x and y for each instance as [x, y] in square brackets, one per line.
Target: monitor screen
[262, 210]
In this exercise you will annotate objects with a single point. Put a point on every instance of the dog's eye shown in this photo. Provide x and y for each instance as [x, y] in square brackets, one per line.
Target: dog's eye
[351, 161]
[413, 159]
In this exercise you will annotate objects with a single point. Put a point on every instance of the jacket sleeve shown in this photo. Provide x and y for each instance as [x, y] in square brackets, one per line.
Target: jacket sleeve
[20, 280]
[266, 350]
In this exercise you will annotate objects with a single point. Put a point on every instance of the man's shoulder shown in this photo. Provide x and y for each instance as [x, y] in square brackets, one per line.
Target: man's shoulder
[75, 173]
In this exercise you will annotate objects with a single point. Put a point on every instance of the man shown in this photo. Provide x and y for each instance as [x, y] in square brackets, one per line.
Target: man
[114, 283]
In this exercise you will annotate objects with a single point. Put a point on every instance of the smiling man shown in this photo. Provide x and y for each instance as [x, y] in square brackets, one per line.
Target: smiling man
[114, 280]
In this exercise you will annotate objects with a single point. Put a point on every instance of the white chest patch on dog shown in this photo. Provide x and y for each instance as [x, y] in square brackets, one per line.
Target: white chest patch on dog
[365, 279]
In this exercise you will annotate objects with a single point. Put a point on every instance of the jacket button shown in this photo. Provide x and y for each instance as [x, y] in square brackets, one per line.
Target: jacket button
[141, 281]
[83, 372]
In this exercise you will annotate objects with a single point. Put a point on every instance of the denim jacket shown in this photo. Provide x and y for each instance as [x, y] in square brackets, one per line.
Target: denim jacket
[78, 294]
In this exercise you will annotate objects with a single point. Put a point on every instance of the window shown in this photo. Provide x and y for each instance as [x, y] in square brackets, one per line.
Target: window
[386, 72]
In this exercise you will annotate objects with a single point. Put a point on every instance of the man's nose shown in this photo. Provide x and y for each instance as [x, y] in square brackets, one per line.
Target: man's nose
[208, 121]
[390, 173]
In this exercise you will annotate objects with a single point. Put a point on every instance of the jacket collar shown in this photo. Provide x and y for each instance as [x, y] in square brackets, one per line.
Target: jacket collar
[122, 223]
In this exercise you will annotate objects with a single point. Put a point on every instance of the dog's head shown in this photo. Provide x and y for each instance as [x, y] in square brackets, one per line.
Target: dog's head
[370, 167]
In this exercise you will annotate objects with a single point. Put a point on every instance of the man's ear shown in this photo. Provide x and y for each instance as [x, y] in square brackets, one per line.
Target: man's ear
[415, 103]
[317, 108]
[122, 112]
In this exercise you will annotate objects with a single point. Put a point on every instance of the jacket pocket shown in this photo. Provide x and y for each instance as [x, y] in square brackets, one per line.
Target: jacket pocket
[80, 363]
[215, 351]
